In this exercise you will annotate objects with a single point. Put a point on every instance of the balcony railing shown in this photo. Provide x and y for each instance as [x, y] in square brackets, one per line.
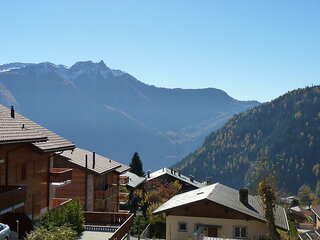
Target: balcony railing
[123, 180]
[104, 194]
[60, 175]
[123, 198]
[11, 197]
[59, 202]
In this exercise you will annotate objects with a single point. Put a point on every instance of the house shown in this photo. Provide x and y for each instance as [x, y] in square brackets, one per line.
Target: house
[134, 182]
[95, 180]
[167, 176]
[316, 211]
[217, 211]
[26, 153]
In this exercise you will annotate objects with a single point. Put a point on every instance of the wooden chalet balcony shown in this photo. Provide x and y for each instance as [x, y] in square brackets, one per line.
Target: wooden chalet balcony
[104, 194]
[11, 197]
[123, 180]
[118, 223]
[60, 175]
[59, 202]
[123, 198]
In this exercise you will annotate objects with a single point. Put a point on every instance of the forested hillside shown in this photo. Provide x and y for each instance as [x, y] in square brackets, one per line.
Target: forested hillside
[284, 134]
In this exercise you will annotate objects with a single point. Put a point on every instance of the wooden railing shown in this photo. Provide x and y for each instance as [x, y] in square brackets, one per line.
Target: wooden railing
[60, 175]
[103, 221]
[11, 196]
[123, 180]
[123, 197]
[104, 194]
[123, 229]
[105, 218]
[59, 202]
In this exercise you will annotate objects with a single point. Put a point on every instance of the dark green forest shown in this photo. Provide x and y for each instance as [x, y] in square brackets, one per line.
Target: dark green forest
[281, 136]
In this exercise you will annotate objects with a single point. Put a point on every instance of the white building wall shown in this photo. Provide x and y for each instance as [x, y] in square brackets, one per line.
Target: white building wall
[254, 228]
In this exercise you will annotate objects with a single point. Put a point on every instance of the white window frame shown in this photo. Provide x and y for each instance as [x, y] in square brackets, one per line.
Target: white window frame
[240, 231]
[182, 230]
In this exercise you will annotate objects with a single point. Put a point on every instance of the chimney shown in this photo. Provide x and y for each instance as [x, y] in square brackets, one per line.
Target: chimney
[12, 112]
[209, 180]
[171, 171]
[148, 174]
[93, 160]
[191, 178]
[243, 195]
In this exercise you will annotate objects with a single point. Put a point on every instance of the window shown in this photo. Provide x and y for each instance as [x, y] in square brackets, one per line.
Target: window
[182, 227]
[240, 232]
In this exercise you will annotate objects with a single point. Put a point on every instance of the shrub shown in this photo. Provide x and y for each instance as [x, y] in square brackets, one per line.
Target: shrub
[55, 233]
[71, 215]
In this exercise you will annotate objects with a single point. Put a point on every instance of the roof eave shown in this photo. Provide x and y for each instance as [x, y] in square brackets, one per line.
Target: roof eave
[32, 140]
[70, 147]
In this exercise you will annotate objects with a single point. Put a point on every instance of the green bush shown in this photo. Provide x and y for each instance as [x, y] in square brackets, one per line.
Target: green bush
[55, 233]
[71, 215]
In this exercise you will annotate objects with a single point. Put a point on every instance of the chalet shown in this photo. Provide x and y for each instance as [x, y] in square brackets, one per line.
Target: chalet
[166, 176]
[217, 211]
[135, 182]
[95, 180]
[316, 211]
[26, 176]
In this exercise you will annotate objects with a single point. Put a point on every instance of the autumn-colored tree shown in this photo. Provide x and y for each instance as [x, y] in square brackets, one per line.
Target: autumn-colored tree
[267, 193]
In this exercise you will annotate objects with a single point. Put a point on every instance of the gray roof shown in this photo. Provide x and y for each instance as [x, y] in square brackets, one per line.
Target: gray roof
[12, 131]
[316, 210]
[174, 174]
[228, 197]
[102, 164]
[134, 180]
[310, 235]
[45, 140]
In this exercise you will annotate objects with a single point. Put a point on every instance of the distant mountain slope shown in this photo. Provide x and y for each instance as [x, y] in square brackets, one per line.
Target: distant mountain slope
[114, 114]
[284, 132]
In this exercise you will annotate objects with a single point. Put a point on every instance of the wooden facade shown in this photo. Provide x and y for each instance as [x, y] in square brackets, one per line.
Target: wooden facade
[97, 192]
[21, 165]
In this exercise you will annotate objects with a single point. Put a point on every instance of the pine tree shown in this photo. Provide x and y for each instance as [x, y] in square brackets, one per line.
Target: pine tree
[136, 165]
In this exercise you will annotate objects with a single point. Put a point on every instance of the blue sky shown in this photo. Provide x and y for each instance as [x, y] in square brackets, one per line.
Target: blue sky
[250, 49]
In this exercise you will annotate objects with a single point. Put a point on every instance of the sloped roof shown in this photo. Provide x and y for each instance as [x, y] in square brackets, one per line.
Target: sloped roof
[102, 164]
[12, 131]
[310, 235]
[228, 197]
[174, 174]
[316, 210]
[44, 139]
[134, 180]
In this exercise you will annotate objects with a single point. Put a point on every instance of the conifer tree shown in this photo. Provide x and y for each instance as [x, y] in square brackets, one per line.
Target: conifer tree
[136, 165]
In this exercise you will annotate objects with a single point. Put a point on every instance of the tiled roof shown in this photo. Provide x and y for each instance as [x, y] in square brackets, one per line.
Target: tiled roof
[227, 197]
[174, 174]
[31, 130]
[310, 235]
[12, 131]
[316, 210]
[102, 164]
[134, 180]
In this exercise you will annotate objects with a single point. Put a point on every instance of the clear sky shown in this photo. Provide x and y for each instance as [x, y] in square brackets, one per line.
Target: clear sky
[257, 49]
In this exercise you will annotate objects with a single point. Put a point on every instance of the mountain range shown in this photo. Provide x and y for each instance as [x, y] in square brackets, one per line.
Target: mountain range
[111, 112]
[280, 137]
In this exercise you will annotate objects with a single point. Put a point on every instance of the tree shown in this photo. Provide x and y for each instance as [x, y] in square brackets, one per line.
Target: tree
[136, 165]
[304, 194]
[267, 193]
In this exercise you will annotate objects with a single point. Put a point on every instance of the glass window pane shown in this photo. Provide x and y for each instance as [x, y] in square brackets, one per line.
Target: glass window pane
[243, 232]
